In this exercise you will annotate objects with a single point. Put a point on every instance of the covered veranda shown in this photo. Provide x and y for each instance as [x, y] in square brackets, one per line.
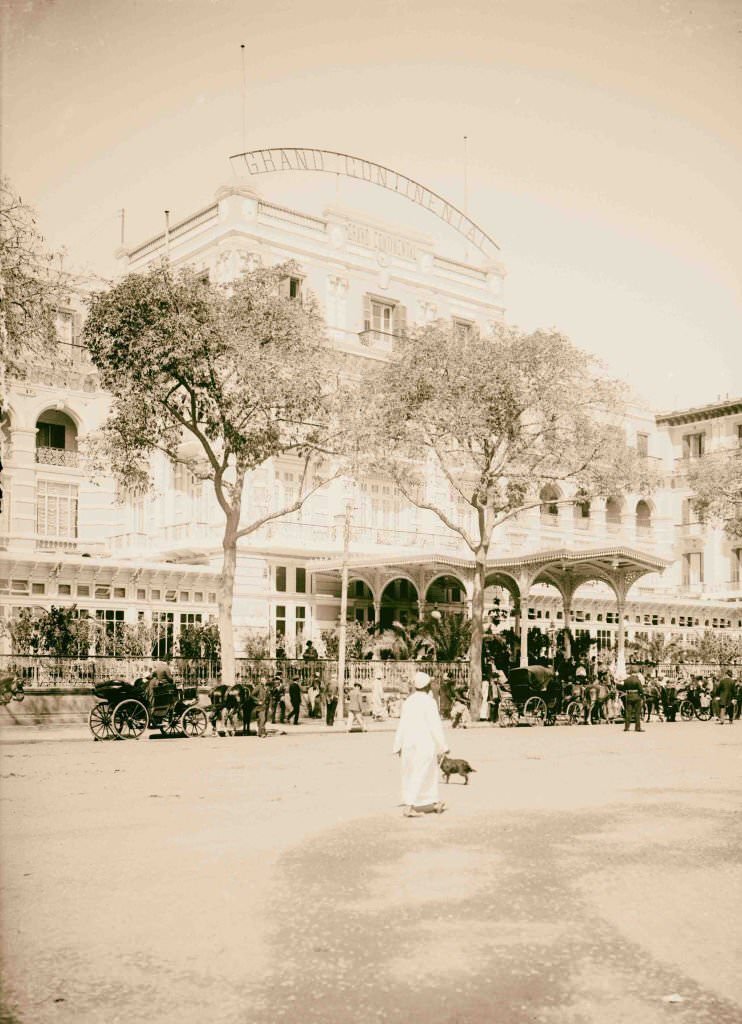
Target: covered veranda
[565, 570]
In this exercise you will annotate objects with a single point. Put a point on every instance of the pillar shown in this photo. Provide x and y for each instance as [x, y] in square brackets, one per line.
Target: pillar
[620, 641]
[567, 609]
[523, 636]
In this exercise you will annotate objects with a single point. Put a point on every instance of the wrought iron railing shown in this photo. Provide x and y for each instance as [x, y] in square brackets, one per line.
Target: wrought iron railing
[58, 457]
[44, 673]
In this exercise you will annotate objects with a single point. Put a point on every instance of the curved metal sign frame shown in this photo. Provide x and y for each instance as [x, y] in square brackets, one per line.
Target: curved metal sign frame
[268, 161]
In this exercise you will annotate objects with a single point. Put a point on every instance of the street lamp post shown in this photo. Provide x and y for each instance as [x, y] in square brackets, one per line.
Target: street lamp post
[340, 714]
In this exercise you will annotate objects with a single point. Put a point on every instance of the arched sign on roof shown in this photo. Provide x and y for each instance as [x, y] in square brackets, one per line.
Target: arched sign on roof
[268, 161]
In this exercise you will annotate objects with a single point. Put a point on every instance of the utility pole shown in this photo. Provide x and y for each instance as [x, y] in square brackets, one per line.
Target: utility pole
[340, 713]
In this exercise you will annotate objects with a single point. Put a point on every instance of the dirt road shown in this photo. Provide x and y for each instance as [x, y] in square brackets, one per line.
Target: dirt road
[584, 875]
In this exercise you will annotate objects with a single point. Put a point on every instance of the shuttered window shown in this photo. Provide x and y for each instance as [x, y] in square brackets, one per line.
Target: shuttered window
[56, 509]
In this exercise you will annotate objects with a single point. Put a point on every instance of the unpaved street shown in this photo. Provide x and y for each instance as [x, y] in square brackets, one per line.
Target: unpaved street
[584, 875]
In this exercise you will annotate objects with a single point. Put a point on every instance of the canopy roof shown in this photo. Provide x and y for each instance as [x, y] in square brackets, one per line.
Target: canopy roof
[560, 566]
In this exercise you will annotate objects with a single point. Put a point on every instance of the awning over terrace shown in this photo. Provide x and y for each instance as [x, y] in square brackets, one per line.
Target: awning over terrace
[618, 567]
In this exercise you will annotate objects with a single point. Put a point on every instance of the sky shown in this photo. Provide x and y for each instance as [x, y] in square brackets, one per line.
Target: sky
[603, 152]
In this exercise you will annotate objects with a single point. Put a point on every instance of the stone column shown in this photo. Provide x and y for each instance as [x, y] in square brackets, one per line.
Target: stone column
[523, 636]
[567, 607]
[620, 639]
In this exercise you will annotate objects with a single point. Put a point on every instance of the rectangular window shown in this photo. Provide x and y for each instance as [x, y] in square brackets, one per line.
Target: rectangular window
[212, 598]
[301, 581]
[119, 592]
[189, 618]
[64, 590]
[300, 620]
[171, 596]
[162, 624]
[692, 568]
[83, 590]
[281, 578]
[280, 620]
[642, 444]
[736, 559]
[462, 329]
[141, 594]
[49, 435]
[154, 594]
[56, 509]
[198, 596]
[693, 445]
[185, 595]
[102, 592]
[38, 588]
[290, 287]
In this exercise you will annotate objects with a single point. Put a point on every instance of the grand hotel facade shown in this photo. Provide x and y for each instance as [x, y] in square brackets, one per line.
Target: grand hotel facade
[641, 562]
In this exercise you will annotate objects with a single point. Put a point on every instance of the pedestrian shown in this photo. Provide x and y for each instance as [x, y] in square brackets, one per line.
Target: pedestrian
[355, 708]
[670, 700]
[724, 694]
[633, 691]
[312, 696]
[420, 742]
[262, 695]
[378, 707]
[331, 702]
[310, 652]
[295, 698]
[278, 699]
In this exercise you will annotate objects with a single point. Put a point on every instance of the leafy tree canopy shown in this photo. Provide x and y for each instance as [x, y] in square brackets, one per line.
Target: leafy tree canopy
[33, 284]
[716, 481]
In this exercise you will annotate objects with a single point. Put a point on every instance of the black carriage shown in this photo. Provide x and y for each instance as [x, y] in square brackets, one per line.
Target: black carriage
[126, 710]
[535, 697]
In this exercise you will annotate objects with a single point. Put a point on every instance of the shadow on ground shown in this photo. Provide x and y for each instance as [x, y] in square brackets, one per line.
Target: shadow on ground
[509, 920]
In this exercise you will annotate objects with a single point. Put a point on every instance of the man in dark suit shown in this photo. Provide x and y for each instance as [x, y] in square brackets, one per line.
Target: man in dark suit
[633, 693]
[724, 694]
[295, 698]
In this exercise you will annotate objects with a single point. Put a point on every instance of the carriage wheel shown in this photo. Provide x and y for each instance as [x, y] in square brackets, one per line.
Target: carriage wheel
[170, 726]
[574, 712]
[507, 714]
[100, 721]
[193, 722]
[534, 711]
[703, 714]
[130, 719]
[686, 711]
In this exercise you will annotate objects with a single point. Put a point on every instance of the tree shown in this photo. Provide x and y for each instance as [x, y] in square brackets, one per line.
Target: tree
[494, 419]
[657, 649]
[722, 649]
[716, 481]
[33, 284]
[219, 379]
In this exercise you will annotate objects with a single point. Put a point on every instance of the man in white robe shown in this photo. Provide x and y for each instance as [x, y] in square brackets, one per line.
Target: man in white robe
[420, 742]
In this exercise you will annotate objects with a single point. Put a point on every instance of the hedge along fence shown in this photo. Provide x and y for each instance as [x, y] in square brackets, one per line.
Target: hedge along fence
[46, 674]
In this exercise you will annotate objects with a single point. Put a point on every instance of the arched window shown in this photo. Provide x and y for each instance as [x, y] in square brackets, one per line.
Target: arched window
[613, 514]
[56, 439]
[549, 508]
[643, 519]
[581, 512]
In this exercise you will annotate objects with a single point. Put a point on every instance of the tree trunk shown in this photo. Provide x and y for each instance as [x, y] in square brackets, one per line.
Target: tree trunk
[477, 633]
[226, 598]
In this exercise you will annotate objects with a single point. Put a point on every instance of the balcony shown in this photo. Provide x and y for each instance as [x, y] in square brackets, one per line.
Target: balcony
[68, 366]
[381, 341]
[58, 457]
[56, 544]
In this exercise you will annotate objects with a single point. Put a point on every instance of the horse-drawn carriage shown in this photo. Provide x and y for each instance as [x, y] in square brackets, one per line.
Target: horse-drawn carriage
[534, 697]
[126, 710]
[11, 687]
[230, 709]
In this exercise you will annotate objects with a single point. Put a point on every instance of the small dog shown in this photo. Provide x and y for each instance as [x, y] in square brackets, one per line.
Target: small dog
[455, 766]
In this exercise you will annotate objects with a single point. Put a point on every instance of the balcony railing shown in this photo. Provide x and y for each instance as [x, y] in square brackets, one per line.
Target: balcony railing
[57, 543]
[58, 457]
[382, 340]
